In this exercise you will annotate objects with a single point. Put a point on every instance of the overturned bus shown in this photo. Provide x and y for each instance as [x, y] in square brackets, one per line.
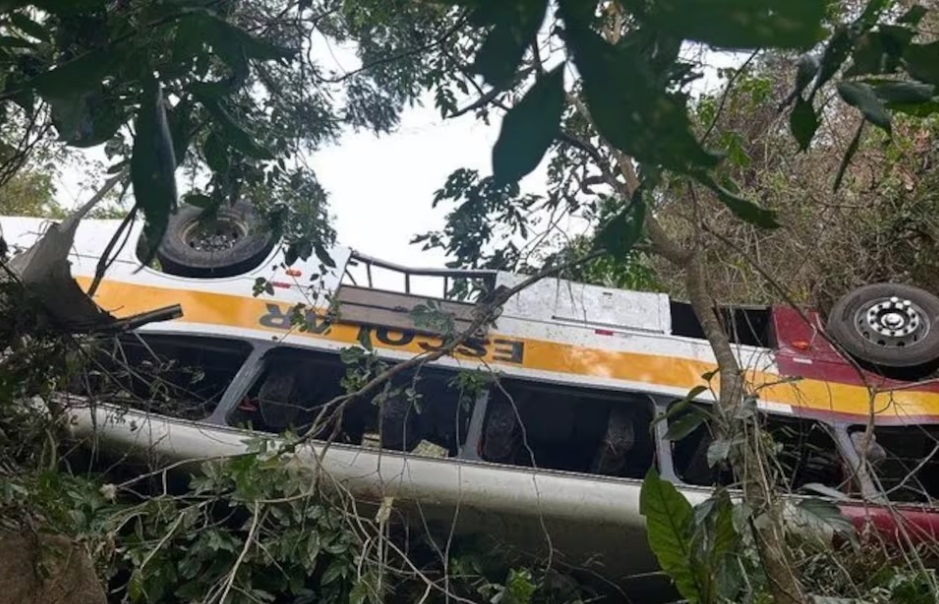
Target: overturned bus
[538, 430]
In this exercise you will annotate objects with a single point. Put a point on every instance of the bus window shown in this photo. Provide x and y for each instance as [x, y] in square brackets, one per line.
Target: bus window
[805, 453]
[904, 459]
[177, 376]
[416, 408]
[565, 428]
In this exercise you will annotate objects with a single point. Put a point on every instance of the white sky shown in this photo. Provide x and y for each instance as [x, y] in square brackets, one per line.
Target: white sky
[381, 187]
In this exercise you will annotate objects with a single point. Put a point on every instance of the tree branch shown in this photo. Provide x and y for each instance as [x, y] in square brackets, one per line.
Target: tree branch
[460, 21]
[483, 314]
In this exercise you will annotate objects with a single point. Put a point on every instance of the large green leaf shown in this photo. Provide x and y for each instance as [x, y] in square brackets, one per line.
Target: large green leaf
[803, 122]
[153, 167]
[823, 516]
[623, 231]
[529, 128]
[721, 552]
[880, 51]
[914, 15]
[685, 424]
[223, 32]
[30, 27]
[180, 124]
[15, 42]
[669, 525]
[235, 135]
[833, 57]
[743, 208]
[87, 119]
[515, 25]
[714, 545]
[863, 97]
[903, 93]
[922, 62]
[215, 153]
[806, 70]
[629, 103]
[739, 23]
[81, 74]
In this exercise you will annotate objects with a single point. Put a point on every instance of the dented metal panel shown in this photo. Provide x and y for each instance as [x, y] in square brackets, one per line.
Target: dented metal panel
[562, 301]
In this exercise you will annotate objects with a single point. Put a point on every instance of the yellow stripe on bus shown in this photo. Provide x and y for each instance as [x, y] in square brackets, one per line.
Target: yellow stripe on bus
[123, 299]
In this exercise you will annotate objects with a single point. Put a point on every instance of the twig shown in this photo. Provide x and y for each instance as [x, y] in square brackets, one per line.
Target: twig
[726, 94]
[103, 262]
[483, 312]
[167, 313]
[461, 20]
[241, 557]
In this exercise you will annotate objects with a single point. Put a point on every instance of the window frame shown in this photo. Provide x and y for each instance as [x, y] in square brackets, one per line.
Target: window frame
[477, 426]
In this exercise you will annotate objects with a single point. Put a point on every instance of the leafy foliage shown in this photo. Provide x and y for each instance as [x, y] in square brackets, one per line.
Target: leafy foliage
[696, 547]
[225, 537]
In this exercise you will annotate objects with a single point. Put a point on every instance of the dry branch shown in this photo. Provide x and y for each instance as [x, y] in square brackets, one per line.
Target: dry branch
[42, 276]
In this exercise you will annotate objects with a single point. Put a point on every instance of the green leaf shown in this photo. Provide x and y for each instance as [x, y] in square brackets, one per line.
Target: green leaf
[224, 34]
[685, 424]
[529, 128]
[30, 27]
[15, 42]
[869, 56]
[904, 93]
[722, 544]
[806, 70]
[180, 124]
[833, 57]
[913, 16]
[718, 451]
[516, 23]
[725, 535]
[740, 23]
[135, 589]
[922, 62]
[880, 51]
[629, 102]
[744, 209]
[215, 153]
[81, 74]
[820, 514]
[334, 571]
[680, 405]
[519, 588]
[669, 528]
[803, 122]
[235, 135]
[863, 98]
[623, 231]
[199, 200]
[153, 167]
[848, 156]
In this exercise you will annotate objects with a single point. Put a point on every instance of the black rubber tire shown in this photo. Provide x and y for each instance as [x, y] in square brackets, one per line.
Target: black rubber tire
[251, 247]
[921, 354]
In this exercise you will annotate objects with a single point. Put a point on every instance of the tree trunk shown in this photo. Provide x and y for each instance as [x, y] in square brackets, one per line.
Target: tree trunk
[748, 464]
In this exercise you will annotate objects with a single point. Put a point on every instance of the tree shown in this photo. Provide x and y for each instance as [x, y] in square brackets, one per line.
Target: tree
[227, 88]
[627, 123]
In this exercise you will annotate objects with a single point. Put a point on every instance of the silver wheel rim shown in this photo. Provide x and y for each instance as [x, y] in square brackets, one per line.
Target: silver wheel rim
[893, 322]
[214, 236]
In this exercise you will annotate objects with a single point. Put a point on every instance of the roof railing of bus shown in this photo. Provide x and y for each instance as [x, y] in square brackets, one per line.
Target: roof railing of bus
[488, 277]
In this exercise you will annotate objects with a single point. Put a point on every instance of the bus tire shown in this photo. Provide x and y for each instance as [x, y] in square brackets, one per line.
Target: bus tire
[237, 240]
[888, 325]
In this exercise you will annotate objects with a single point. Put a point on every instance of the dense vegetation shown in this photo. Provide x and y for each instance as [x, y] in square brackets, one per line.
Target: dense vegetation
[808, 171]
